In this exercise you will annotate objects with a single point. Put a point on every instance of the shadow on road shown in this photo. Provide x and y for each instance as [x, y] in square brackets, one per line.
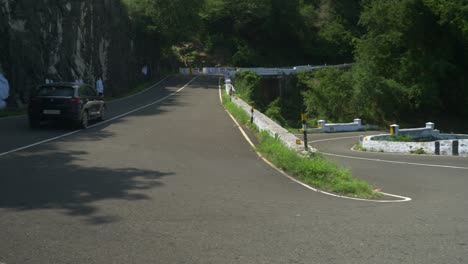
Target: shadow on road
[48, 179]
[51, 176]
[15, 132]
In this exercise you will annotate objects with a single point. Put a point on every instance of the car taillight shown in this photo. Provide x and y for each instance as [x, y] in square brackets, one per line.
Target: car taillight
[75, 101]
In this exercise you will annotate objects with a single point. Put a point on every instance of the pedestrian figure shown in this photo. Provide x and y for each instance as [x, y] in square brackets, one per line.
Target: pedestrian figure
[144, 70]
[4, 89]
[100, 87]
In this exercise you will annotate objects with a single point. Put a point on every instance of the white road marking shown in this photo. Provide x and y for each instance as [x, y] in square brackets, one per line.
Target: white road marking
[220, 95]
[98, 124]
[402, 198]
[383, 160]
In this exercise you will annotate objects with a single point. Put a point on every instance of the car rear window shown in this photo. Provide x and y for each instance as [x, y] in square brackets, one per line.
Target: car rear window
[55, 91]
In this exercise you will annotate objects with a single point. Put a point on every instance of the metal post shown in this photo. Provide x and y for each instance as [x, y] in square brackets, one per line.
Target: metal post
[252, 114]
[219, 82]
[304, 129]
[455, 145]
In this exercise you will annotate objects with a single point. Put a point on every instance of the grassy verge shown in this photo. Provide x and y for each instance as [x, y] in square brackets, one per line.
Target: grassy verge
[241, 116]
[11, 112]
[316, 171]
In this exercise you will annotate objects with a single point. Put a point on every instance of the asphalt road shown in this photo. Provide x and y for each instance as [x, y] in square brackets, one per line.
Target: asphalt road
[176, 182]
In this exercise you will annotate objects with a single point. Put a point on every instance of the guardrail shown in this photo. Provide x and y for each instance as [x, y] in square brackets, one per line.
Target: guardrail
[259, 70]
[356, 125]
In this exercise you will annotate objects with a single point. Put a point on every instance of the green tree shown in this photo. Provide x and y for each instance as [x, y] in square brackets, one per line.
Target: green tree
[173, 20]
[329, 94]
[409, 60]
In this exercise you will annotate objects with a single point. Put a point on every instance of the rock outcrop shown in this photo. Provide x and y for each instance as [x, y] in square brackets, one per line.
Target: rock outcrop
[66, 40]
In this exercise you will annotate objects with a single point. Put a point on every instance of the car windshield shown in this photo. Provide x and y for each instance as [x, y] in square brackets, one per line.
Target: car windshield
[55, 91]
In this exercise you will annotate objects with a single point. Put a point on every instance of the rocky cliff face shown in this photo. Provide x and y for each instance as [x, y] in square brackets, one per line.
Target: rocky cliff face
[65, 40]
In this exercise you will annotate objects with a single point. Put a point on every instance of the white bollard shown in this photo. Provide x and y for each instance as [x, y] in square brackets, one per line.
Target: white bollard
[358, 122]
[321, 123]
[394, 129]
[430, 125]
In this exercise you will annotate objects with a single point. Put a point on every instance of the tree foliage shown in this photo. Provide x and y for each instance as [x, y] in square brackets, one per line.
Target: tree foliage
[411, 59]
[410, 56]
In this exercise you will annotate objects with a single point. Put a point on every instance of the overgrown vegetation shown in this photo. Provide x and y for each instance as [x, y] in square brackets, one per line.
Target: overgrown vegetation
[410, 56]
[419, 151]
[285, 110]
[251, 33]
[410, 59]
[315, 170]
[400, 138]
[246, 84]
[359, 147]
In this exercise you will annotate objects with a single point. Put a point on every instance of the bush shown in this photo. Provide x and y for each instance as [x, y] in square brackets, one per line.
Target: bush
[274, 112]
[418, 151]
[245, 84]
[329, 95]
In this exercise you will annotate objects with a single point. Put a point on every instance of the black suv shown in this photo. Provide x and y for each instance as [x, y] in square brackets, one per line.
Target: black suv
[75, 102]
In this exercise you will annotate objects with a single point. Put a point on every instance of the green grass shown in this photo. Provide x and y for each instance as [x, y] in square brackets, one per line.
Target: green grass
[236, 111]
[316, 170]
[12, 112]
[359, 147]
[400, 138]
[293, 130]
[418, 151]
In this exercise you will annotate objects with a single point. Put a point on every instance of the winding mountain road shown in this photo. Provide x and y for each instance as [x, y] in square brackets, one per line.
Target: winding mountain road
[168, 178]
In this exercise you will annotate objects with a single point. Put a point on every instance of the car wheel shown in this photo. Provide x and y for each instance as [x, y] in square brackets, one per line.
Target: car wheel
[103, 114]
[84, 120]
[34, 123]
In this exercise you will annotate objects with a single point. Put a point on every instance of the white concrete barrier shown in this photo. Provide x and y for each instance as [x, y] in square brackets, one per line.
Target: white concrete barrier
[371, 144]
[264, 123]
[356, 125]
[442, 144]
[189, 71]
[258, 70]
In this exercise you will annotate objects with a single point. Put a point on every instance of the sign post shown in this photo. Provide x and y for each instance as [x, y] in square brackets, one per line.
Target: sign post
[252, 114]
[304, 129]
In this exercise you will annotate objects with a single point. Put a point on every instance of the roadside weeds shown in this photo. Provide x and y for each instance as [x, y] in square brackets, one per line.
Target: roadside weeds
[315, 170]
